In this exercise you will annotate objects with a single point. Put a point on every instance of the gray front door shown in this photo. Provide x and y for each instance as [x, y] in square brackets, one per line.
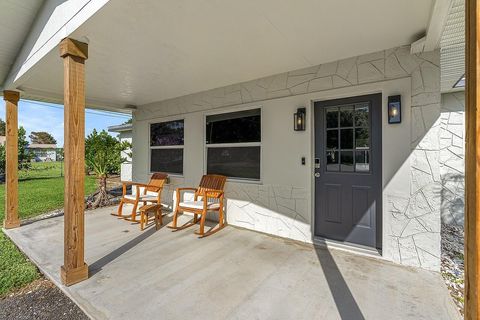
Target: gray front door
[348, 166]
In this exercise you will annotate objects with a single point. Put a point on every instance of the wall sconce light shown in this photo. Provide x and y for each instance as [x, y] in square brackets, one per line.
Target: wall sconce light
[299, 119]
[394, 109]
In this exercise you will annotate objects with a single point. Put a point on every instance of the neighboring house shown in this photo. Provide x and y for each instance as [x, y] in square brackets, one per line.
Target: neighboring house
[213, 88]
[124, 134]
[43, 152]
[3, 139]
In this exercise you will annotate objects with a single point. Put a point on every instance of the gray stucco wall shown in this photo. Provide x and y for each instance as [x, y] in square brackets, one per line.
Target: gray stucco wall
[412, 187]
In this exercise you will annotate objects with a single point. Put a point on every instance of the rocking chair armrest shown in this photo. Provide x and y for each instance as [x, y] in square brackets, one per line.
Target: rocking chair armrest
[217, 194]
[140, 184]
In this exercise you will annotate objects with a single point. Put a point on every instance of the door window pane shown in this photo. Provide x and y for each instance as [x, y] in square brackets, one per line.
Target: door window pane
[362, 138]
[234, 127]
[331, 117]
[236, 162]
[346, 139]
[362, 161]
[332, 139]
[362, 115]
[332, 161]
[346, 116]
[167, 160]
[166, 133]
[346, 161]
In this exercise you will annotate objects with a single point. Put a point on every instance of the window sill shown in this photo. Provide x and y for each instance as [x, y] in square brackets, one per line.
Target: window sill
[235, 180]
[170, 175]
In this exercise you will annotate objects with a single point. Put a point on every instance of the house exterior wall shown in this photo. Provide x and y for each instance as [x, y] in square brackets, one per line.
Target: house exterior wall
[452, 158]
[282, 204]
[43, 155]
[126, 167]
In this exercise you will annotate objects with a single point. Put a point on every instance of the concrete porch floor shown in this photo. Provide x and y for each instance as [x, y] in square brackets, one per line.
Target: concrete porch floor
[233, 274]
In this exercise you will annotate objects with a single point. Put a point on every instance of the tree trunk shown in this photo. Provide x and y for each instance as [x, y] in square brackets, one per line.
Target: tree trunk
[102, 199]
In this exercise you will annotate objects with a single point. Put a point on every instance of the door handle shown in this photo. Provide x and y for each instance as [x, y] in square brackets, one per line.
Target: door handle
[317, 174]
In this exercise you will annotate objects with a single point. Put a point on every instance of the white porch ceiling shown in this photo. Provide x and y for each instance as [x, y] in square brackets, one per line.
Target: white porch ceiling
[147, 51]
[16, 18]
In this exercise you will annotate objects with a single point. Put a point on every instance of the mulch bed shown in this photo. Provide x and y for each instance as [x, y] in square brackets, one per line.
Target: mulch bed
[452, 267]
[40, 299]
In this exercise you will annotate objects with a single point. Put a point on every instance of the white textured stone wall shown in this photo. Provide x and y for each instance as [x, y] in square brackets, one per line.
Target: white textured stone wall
[384, 65]
[413, 234]
[126, 171]
[411, 217]
[452, 158]
[274, 209]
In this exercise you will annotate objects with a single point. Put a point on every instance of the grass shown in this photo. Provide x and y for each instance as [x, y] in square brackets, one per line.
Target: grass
[15, 269]
[41, 189]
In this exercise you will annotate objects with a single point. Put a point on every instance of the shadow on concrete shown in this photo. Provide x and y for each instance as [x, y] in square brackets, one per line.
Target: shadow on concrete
[97, 266]
[346, 305]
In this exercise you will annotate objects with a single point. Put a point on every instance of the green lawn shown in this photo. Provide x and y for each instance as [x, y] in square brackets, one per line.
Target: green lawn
[40, 190]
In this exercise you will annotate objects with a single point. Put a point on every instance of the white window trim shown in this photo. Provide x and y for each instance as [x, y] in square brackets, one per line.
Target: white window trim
[150, 148]
[239, 144]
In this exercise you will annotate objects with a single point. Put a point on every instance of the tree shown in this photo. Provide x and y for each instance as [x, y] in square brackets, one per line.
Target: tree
[129, 121]
[24, 156]
[60, 154]
[3, 158]
[42, 137]
[2, 127]
[103, 157]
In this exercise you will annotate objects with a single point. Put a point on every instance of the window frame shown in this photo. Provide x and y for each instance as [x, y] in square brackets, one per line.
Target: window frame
[150, 147]
[233, 145]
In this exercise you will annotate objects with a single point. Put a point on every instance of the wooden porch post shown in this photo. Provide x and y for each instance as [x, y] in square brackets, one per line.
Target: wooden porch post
[472, 161]
[11, 166]
[74, 54]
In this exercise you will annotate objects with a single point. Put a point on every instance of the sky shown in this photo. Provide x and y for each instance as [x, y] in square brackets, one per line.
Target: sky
[41, 116]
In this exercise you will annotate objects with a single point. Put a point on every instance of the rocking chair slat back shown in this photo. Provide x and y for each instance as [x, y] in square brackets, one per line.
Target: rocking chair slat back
[157, 181]
[210, 182]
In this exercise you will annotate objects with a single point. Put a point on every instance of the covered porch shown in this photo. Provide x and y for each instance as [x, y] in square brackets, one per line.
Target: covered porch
[236, 274]
[176, 65]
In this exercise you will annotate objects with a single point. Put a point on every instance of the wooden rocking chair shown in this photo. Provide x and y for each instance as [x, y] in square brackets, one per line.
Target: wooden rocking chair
[211, 191]
[154, 185]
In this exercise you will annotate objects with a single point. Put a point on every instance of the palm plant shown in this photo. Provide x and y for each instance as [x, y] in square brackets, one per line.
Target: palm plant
[103, 157]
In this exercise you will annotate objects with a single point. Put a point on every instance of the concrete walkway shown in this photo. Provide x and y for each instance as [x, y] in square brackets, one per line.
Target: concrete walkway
[234, 274]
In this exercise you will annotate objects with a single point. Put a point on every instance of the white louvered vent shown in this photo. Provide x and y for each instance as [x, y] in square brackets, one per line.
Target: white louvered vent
[452, 59]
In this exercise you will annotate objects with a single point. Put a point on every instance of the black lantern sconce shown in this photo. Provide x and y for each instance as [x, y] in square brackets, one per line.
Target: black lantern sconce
[394, 109]
[299, 119]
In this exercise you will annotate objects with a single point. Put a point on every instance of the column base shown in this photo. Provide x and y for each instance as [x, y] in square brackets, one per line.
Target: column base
[10, 224]
[73, 276]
